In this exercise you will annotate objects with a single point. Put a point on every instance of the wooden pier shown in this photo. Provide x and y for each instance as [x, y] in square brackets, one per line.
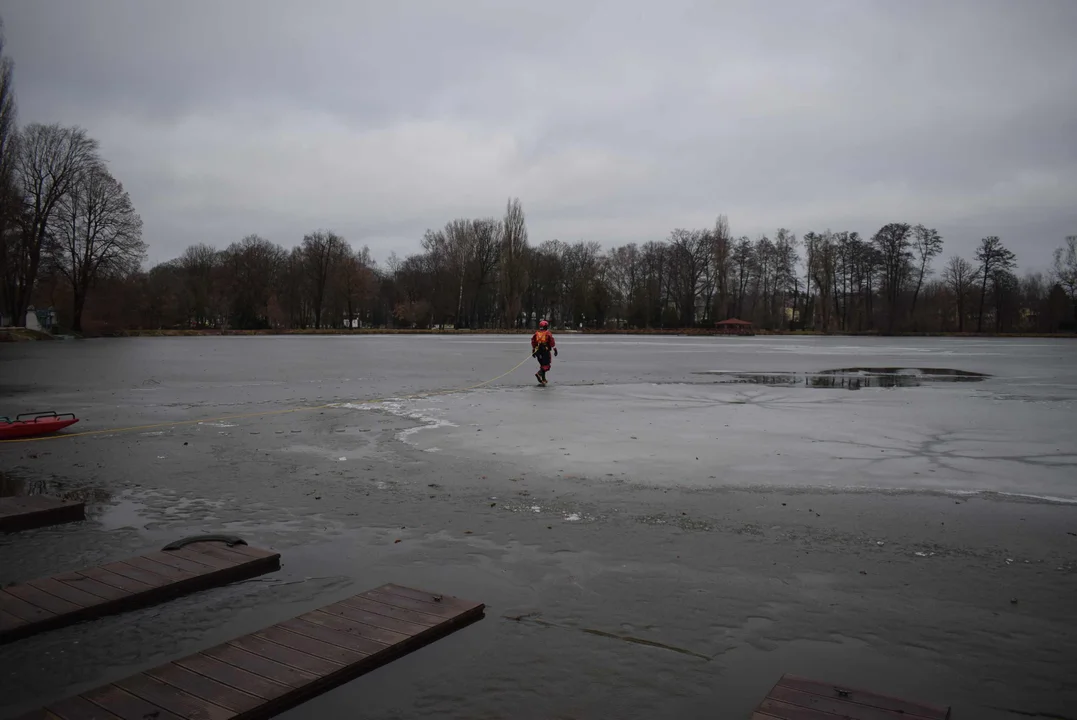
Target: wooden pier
[34, 511]
[269, 671]
[797, 698]
[52, 602]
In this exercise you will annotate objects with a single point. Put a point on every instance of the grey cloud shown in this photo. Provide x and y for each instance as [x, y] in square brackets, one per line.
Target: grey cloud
[614, 121]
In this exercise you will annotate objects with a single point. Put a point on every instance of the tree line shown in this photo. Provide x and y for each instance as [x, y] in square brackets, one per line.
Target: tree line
[484, 273]
[62, 213]
[67, 227]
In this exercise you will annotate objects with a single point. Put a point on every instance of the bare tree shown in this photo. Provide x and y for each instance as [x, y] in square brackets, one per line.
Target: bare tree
[513, 264]
[742, 261]
[822, 270]
[95, 232]
[959, 276]
[690, 252]
[1065, 269]
[199, 298]
[321, 251]
[354, 284]
[8, 111]
[927, 243]
[993, 257]
[623, 273]
[50, 159]
[11, 209]
[892, 242]
[251, 269]
[485, 257]
[452, 248]
[723, 249]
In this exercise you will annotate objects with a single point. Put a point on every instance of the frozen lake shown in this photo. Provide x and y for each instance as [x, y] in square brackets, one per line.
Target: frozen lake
[663, 531]
[784, 412]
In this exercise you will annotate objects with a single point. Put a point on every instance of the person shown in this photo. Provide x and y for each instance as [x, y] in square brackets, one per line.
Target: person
[542, 344]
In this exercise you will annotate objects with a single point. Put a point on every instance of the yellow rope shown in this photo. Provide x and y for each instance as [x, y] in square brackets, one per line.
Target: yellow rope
[264, 413]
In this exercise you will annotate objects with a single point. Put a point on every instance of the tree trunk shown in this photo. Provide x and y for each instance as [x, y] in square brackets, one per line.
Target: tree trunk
[459, 303]
[77, 306]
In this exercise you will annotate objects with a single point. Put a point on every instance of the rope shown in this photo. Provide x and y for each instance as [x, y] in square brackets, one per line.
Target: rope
[266, 413]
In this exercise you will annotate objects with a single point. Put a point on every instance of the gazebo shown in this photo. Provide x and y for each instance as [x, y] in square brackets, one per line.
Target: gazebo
[733, 326]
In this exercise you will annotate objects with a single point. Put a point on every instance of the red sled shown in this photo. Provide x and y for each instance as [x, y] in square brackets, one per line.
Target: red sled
[34, 424]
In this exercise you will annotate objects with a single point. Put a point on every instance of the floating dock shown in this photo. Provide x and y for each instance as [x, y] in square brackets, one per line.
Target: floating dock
[797, 698]
[269, 671]
[34, 511]
[53, 602]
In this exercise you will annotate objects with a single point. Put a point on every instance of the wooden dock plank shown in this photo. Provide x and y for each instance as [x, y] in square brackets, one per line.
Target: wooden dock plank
[169, 572]
[67, 598]
[367, 630]
[178, 701]
[389, 611]
[146, 577]
[873, 699]
[202, 555]
[249, 551]
[40, 598]
[311, 646]
[436, 610]
[774, 710]
[89, 585]
[439, 600]
[332, 634]
[358, 630]
[837, 706]
[827, 709]
[107, 577]
[208, 551]
[73, 595]
[9, 621]
[301, 661]
[22, 609]
[266, 667]
[232, 676]
[259, 675]
[125, 705]
[173, 560]
[40, 715]
[77, 708]
[34, 511]
[798, 698]
[220, 694]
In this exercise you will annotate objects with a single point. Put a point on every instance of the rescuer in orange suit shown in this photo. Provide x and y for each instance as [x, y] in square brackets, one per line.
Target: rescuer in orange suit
[542, 344]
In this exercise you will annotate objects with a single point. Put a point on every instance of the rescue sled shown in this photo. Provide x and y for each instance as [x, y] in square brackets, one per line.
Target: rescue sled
[34, 424]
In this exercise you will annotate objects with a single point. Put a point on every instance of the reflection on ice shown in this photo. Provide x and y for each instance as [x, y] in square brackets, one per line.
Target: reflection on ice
[852, 378]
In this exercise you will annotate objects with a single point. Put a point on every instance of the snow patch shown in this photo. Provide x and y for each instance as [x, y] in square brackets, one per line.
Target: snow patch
[429, 417]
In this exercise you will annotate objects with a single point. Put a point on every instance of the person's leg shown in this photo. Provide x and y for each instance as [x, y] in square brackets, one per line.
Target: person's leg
[544, 365]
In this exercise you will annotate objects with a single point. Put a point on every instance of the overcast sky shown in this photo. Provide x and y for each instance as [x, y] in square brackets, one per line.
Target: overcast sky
[612, 121]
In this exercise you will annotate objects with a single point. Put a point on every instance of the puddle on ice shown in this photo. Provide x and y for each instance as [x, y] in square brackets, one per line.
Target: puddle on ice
[123, 513]
[852, 378]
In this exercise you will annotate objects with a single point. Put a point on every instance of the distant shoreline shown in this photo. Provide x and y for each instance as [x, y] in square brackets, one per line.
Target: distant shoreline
[21, 334]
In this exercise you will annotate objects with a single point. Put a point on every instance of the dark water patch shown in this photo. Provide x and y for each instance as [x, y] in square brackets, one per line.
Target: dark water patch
[853, 378]
[13, 485]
